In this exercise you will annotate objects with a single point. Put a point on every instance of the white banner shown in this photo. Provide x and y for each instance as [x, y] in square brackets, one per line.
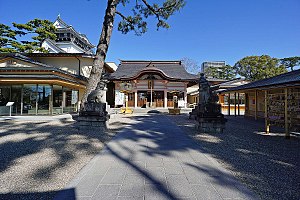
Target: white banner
[119, 98]
[74, 97]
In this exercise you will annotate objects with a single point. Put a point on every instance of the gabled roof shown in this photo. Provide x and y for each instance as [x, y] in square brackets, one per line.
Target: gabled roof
[170, 70]
[289, 78]
[53, 46]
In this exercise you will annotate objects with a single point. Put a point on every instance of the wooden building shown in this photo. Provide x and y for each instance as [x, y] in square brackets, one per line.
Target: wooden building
[276, 100]
[152, 83]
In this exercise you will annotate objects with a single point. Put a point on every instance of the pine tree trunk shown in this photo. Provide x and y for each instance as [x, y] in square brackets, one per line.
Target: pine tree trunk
[102, 47]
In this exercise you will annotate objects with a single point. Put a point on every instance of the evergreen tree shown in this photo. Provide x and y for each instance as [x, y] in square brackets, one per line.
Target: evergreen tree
[37, 29]
[291, 62]
[254, 68]
[226, 72]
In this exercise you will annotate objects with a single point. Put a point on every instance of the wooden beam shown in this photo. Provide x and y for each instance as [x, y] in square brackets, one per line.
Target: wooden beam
[286, 123]
[267, 125]
[228, 104]
[238, 97]
[235, 104]
[255, 101]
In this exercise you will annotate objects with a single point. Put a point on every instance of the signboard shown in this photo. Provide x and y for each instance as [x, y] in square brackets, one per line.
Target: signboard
[74, 97]
[119, 97]
[125, 86]
[181, 103]
[10, 103]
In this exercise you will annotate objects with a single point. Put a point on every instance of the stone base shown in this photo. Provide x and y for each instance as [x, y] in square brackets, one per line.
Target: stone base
[174, 111]
[93, 123]
[211, 125]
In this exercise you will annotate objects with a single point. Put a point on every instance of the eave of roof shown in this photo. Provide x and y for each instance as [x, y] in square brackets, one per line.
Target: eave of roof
[54, 46]
[37, 77]
[287, 79]
[42, 66]
[84, 55]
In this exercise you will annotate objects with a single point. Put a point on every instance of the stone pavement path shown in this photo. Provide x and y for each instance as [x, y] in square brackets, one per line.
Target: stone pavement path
[151, 158]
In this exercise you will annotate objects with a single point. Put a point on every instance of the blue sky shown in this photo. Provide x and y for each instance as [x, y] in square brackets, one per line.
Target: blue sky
[203, 30]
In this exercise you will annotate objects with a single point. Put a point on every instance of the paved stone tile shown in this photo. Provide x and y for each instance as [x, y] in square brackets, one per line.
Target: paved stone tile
[156, 161]
[114, 175]
[229, 192]
[100, 168]
[155, 192]
[139, 156]
[130, 198]
[88, 185]
[133, 186]
[205, 192]
[173, 168]
[179, 186]
[184, 157]
[155, 175]
[83, 198]
[196, 176]
[106, 192]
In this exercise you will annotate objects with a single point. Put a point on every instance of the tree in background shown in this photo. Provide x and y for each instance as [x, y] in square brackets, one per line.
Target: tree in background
[291, 62]
[190, 65]
[141, 10]
[254, 68]
[226, 72]
[37, 29]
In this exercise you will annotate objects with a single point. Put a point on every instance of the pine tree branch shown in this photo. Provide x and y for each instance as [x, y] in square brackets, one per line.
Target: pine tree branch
[124, 17]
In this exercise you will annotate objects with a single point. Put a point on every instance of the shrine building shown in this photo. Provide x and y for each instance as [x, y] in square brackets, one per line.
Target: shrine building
[152, 83]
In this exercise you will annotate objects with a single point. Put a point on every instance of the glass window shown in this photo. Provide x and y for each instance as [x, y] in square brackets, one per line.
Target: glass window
[4, 98]
[70, 100]
[57, 99]
[43, 99]
[29, 99]
[4, 95]
[16, 97]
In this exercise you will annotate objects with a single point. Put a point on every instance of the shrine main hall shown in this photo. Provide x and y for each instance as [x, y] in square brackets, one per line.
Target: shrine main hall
[152, 83]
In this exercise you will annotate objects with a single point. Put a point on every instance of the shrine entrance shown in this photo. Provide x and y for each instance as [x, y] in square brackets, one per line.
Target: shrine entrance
[148, 99]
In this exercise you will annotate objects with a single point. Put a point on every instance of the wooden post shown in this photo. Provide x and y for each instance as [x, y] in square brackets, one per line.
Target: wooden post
[235, 104]
[255, 99]
[238, 104]
[51, 101]
[267, 125]
[228, 104]
[135, 99]
[286, 123]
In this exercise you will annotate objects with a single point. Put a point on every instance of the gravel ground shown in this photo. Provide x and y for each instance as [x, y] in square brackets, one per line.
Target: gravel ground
[269, 165]
[38, 158]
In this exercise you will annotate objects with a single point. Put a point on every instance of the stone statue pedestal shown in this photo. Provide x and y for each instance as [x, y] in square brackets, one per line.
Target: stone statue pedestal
[211, 124]
[93, 115]
[208, 112]
[210, 120]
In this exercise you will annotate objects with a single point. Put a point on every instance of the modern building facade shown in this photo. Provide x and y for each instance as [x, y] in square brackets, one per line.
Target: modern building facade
[48, 83]
[151, 83]
[217, 65]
